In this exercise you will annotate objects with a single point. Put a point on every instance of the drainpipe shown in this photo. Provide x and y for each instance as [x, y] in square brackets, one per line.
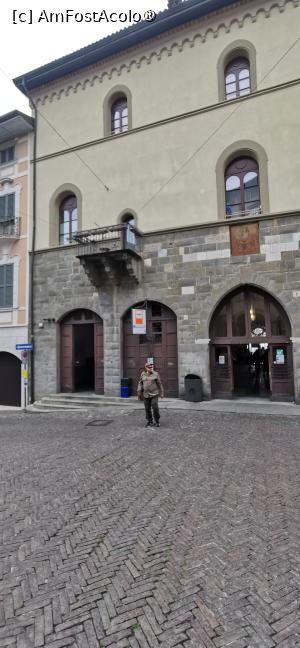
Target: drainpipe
[32, 259]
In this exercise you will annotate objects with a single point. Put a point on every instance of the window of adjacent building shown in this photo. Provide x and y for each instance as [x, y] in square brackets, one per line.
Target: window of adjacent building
[7, 207]
[67, 219]
[6, 285]
[237, 78]
[242, 187]
[7, 155]
[119, 116]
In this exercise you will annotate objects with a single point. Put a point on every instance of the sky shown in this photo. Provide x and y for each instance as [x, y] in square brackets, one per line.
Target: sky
[25, 46]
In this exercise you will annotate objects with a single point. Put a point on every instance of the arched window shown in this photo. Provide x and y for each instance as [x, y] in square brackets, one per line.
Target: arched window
[242, 190]
[237, 78]
[67, 219]
[119, 115]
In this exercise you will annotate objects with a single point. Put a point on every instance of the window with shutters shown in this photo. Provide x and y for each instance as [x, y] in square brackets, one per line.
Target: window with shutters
[7, 207]
[7, 213]
[6, 285]
[7, 155]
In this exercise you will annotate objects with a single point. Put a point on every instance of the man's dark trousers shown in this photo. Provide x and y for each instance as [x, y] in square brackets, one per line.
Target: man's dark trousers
[152, 404]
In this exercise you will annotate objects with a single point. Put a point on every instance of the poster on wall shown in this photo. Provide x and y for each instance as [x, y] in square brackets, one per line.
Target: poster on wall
[139, 321]
[279, 356]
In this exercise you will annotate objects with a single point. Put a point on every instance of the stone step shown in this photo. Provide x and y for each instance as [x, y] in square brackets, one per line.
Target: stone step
[80, 402]
[73, 402]
[40, 405]
[84, 396]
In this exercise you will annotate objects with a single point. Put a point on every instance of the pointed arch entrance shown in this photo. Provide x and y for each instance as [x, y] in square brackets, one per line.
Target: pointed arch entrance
[160, 342]
[10, 379]
[250, 347]
[81, 352]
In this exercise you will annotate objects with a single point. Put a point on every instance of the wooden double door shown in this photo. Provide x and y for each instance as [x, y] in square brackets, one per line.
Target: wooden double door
[159, 343]
[81, 353]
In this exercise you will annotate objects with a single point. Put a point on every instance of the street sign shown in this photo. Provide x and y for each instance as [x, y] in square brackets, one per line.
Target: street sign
[27, 347]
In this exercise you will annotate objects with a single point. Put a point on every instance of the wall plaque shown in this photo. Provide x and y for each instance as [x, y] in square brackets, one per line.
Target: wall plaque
[244, 239]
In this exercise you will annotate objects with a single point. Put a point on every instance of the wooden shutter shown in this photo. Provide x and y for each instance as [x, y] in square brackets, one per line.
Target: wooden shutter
[10, 206]
[2, 208]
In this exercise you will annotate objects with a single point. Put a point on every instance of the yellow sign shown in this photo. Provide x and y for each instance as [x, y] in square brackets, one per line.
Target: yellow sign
[24, 373]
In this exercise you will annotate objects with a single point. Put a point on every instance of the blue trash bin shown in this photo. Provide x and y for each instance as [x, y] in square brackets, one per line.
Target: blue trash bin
[126, 387]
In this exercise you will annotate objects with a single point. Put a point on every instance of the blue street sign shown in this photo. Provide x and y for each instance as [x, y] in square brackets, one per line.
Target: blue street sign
[27, 347]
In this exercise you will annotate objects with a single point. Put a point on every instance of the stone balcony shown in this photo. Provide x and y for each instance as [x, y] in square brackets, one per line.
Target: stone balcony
[109, 253]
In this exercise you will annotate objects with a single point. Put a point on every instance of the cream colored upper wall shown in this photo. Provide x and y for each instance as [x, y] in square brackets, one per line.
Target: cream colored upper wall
[151, 165]
[174, 75]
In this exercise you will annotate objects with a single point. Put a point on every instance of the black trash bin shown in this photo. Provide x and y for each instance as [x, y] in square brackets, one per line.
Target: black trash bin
[126, 387]
[193, 388]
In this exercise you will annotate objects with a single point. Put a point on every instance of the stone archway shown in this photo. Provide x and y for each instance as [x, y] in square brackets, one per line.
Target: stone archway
[10, 379]
[160, 342]
[250, 347]
[81, 352]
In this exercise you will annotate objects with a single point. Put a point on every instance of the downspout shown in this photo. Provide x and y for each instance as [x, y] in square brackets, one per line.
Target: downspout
[32, 257]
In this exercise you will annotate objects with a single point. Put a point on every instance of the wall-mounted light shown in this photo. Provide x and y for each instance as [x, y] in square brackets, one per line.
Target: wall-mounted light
[252, 313]
[49, 320]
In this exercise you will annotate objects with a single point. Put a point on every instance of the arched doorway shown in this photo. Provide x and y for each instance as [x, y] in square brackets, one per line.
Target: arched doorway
[250, 347]
[10, 379]
[160, 343]
[81, 352]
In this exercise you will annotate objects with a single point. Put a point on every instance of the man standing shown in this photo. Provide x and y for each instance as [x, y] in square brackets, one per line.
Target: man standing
[149, 389]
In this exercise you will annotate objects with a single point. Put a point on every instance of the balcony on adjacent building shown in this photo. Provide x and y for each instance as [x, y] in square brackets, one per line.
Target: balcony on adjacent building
[10, 229]
[110, 253]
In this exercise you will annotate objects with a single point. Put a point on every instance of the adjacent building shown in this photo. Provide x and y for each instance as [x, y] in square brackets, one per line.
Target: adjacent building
[167, 178]
[16, 130]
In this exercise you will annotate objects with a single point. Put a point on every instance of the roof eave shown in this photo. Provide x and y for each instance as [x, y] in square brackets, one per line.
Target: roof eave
[118, 42]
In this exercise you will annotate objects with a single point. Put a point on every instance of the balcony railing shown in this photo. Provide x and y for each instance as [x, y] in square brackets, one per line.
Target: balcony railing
[10, 228]
[110, 253]
[255, 211]
[107, 239]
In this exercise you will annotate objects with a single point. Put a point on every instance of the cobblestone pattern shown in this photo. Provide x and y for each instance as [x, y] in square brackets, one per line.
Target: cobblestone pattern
[121, 537]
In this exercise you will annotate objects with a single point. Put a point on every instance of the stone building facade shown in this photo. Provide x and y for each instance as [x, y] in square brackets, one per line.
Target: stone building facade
[179, 193]
[189, 270]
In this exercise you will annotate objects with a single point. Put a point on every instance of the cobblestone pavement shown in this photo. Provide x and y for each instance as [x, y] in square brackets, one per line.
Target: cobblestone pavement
[114, 535]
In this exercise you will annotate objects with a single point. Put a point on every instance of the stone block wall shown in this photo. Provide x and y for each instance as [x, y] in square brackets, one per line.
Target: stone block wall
[188, 270]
